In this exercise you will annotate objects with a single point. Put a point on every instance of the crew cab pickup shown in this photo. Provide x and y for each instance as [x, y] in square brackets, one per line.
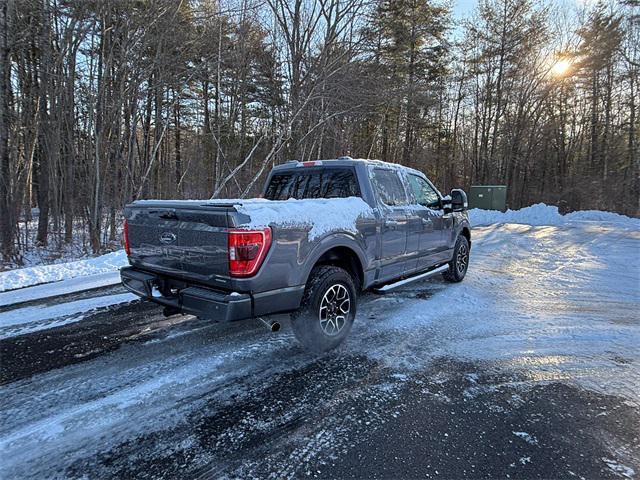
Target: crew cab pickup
[323, 232]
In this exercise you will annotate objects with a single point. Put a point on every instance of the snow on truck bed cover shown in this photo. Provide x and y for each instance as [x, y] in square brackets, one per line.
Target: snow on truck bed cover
[323, 215]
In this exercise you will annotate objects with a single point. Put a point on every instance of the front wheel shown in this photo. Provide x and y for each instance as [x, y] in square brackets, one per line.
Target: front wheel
[328, 309]
[460, 262]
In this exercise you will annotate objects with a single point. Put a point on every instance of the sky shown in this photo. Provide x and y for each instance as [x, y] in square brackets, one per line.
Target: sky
[462, 8]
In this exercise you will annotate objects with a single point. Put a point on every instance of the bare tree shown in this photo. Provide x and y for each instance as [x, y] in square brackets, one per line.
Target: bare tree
[7, 220]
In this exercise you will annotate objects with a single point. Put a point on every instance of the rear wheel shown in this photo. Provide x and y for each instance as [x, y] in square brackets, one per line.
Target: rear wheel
[460, 262]
[328, 309]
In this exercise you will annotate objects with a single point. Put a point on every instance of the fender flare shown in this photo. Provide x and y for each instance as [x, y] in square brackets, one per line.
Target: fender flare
[336, 240]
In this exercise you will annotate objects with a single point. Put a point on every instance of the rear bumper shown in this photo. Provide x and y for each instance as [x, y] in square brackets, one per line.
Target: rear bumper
[208, 303]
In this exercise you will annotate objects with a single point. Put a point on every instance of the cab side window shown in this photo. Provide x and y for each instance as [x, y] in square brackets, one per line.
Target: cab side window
[424, 193]
[389, 187]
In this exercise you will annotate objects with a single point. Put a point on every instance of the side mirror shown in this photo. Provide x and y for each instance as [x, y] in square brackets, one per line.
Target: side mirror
[446, 204]
[459, 201]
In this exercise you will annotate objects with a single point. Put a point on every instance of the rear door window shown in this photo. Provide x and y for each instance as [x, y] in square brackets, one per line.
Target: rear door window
[313, 183]
[389, 187]
[340, 183]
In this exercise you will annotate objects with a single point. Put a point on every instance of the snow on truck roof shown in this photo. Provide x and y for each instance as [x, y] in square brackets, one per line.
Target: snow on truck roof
[346, 161]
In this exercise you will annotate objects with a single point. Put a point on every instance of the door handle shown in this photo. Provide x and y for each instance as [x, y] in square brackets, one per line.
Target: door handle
[391, 224]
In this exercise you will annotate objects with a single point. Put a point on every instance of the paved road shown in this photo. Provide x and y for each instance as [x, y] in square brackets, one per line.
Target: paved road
[437, 380]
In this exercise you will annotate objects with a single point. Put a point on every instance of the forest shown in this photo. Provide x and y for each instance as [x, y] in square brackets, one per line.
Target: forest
[106, 101]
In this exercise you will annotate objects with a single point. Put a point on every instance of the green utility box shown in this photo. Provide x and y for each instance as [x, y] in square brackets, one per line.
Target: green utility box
[488, 197]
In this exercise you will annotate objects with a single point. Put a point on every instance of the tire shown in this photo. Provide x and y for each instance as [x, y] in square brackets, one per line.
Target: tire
[460, 262]
[329, 295]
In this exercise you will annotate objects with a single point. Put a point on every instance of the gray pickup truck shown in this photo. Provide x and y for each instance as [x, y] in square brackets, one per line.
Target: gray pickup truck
[323, 232]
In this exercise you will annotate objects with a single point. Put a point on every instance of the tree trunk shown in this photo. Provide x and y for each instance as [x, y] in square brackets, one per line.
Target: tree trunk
[7, 220]
[178, 158]
[43, 132]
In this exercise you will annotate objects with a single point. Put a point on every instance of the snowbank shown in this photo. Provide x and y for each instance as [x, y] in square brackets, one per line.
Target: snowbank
[56, 289]
[541, 214]
[25, 277]
[323, 215]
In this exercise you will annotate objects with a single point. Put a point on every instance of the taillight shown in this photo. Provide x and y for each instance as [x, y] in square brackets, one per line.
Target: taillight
[125, 237]
[247, 249]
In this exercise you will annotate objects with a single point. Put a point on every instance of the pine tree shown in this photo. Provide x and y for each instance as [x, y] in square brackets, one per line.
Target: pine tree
[413, 51]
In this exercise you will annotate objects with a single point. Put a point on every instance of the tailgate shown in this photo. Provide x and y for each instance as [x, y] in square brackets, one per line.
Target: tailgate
[187, 241]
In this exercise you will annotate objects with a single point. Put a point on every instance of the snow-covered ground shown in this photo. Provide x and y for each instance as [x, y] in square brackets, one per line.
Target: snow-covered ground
[558, 300]
[551, 301]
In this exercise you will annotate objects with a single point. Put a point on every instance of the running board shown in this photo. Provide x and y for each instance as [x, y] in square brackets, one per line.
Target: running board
[421, 276]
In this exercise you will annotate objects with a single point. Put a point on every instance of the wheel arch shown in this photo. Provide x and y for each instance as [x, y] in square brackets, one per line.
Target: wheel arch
[343, 255]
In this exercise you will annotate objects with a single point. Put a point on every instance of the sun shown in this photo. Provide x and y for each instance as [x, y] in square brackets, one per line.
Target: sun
[561, 68]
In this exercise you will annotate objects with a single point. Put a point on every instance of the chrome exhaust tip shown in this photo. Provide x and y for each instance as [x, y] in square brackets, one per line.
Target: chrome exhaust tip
[272, 325]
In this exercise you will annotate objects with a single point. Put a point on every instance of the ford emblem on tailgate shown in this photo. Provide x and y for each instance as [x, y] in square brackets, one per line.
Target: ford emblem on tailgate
[167, 238]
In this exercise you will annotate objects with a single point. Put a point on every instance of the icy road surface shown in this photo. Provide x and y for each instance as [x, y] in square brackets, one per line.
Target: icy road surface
[529, 368]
